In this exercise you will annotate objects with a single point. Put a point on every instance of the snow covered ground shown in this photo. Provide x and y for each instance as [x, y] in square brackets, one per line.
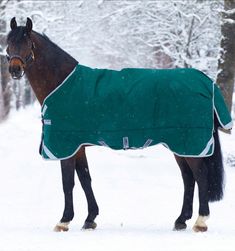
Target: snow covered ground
[139, 194]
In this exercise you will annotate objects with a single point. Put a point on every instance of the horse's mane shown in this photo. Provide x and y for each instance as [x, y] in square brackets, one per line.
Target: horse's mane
[53, 45]
[46, 38]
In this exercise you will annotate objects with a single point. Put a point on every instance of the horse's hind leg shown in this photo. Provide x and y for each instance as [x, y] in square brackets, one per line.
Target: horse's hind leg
[85, 180]
[67, 170]
[200, 173]
[189, 184]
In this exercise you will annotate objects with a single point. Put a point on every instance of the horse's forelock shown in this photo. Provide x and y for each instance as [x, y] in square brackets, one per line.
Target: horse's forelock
[17, 34]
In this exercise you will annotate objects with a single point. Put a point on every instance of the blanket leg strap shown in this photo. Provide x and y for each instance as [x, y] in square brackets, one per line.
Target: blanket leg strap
[125, 143]
[147, 143]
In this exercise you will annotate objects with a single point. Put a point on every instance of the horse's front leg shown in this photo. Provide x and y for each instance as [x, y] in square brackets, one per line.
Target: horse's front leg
[200, 173]
[189, 184]
[85, 180]
[67, 170]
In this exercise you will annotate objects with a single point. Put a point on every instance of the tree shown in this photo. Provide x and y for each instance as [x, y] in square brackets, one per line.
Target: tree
[158, 34]
[5, 92]
[226, 64]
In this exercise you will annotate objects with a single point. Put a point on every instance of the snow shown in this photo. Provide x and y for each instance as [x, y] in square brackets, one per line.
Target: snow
[139, 195]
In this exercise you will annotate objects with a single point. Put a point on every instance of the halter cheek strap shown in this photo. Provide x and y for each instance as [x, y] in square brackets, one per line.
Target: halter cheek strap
[30, 57]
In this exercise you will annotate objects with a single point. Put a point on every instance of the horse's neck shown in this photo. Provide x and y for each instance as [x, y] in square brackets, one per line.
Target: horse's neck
[50, 67]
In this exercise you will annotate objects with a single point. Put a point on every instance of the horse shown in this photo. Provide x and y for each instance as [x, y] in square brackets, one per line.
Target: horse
[46, 65]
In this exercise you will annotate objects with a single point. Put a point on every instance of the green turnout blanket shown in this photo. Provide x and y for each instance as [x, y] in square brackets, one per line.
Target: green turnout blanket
[133, 108]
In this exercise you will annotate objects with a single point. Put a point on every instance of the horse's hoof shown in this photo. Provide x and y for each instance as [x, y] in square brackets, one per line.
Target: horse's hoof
[200, 228]
[200, 225]
[89, 225]
[61, 227]
[179, 226]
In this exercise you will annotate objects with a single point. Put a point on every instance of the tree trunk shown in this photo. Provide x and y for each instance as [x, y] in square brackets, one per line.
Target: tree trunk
[5, 92]
[226, 64]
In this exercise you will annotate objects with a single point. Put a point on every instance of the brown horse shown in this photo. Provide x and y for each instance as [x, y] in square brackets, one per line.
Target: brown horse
[46, 66]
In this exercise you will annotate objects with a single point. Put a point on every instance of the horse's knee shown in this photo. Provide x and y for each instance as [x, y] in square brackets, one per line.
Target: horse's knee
[84, 175]
[83, 170]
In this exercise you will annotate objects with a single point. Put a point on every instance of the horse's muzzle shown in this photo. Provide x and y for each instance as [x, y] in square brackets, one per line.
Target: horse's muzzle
[16, 71]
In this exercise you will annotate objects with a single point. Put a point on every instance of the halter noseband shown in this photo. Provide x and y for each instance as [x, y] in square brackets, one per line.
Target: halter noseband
[25, 61]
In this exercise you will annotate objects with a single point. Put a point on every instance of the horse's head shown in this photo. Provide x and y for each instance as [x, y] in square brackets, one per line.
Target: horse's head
[19, 48]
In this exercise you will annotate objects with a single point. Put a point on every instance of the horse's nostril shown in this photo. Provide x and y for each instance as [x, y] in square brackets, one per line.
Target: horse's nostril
[18, 68]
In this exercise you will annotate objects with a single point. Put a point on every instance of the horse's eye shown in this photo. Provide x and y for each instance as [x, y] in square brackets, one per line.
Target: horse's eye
[8, 57]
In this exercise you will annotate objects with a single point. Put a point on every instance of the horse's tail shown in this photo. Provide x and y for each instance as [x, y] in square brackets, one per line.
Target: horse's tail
[215, 167]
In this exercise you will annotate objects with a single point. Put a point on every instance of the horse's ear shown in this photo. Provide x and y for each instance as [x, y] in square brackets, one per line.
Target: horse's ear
[13, 23]
[29, 25]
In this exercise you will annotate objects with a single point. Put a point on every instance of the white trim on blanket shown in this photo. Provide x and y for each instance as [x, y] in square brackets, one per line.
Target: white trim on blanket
[59, 85]
[55, 158]
[44, 109]
[48, 152]
[210, 143]
[228, 126]
[188, 156]
[204, 153]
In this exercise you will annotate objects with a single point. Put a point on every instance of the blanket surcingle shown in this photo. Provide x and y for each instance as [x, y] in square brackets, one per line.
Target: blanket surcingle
[133, 108]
